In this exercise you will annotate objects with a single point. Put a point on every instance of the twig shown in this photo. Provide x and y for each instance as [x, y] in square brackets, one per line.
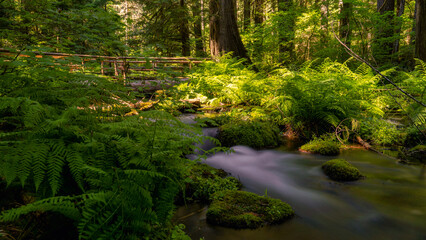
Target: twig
[356, 56]
[14, 59]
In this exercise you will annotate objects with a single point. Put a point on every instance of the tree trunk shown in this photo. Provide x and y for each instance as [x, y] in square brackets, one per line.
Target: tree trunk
[184, 30]
[413, 30]
[323, 6]
[246, 13]
[344, 29]
[421, 30]
[224, 35]
[196, 12]
[383, 40]
[400, 7]
[258, 11]
[286, 36]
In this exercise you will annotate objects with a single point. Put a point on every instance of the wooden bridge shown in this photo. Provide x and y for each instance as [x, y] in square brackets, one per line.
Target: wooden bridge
[123, 67]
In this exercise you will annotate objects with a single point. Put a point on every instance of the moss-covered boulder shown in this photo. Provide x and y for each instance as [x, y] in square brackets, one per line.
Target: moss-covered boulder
[414, 155]
[325, 147]
[238, 209]
[341, 170]
[213, 120]
[254, 134]
[202, 181]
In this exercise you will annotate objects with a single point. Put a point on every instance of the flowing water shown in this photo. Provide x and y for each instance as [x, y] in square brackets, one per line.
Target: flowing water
[390, 203]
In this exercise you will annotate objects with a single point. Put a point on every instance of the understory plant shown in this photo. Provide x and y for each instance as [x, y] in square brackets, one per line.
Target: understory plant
[72, 150]
[319, 96]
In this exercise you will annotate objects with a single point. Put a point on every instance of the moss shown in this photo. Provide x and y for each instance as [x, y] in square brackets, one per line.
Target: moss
[413, 136]
[238, 209]
[414, 155]
[202, 181]
[322, 146]
[213, 120]
[341, 170]
[254, 134]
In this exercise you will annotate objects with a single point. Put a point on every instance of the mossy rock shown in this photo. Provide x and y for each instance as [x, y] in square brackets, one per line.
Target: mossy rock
[341, 170]
[323, 147]
[202, 181]
[414, 155]
[238, 209]
[254, 134]
[216, 120]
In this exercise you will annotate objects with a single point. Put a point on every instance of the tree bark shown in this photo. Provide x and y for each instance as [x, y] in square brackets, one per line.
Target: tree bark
[323, 6]
[259, 11]
[246, 13]
[384, 44]
[400, 7]
[421, 30]
[224, 35]
[413, 30]
[344, 29]
[286, 36]
[184, 30]
[196, 12]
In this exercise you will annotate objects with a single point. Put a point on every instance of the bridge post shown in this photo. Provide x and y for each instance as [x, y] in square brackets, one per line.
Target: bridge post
[124, 72]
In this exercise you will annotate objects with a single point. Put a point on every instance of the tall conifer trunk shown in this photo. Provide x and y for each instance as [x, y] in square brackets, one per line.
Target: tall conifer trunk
[246, 13]
[259, 9]
[344, 28]
[224, 35]
[196, 12]
[184, 30]
[383, 46]
[286, 36]
[400, 7]
[421, 30]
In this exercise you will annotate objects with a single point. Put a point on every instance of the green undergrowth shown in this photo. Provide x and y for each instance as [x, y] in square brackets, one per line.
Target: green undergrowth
[321, 96]
[66, 144]
[202, 182]
[238, 209]
[380, 132]
[341, 170]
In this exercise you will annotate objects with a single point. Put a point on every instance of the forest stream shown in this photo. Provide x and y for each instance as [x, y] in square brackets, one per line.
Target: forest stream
[388, 204]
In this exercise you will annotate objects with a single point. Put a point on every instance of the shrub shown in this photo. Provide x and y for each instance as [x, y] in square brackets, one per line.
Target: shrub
[322, 94]
[238, 209]
[254, 134]
[380, 132]
[341, 170]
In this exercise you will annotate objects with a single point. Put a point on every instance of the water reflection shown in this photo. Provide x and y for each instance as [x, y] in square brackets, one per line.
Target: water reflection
[388, 204]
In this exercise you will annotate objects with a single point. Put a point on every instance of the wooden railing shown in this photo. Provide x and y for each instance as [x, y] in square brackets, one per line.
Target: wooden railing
[124, 67]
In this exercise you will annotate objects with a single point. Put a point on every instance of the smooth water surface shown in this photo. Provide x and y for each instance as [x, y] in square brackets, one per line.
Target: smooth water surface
[390, 203]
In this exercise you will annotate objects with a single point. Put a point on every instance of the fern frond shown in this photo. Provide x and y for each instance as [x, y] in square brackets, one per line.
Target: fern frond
[39, 163]
[63, 205]
[75, 163]
[55, 163]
